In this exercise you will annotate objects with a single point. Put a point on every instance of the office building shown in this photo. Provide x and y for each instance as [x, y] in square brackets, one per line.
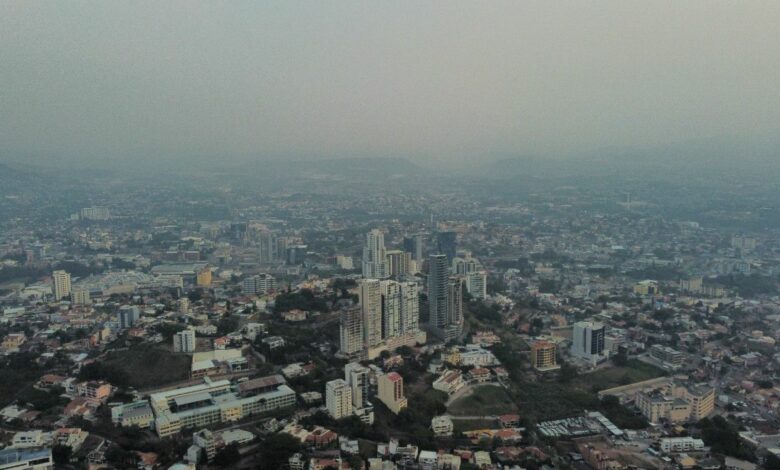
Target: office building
[588, 341]
[543, 356]
[375, 256]
[351, 331]
[184, 341]
[390, 391]
[338, 398]
[128, 315]
[447, 244]
[62, 287]
[414, 246]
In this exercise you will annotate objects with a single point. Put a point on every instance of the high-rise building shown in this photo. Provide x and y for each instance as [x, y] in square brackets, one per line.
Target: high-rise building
[351, 331]
[390, 391]
[128, 315]
[370, 296]
[476, 284]
[437, 292]
[410, 308]
[588, 340]
[455, 304]
[414, 246]
[338, 398]
[62, 287]
[374, 256]
[356, 377]
[268, 247]
[543, 356]
[398, 263]
[390, 309]
[447, 244]
[184, 341]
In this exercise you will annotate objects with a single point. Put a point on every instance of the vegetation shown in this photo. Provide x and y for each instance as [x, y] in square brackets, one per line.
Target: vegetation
[140, 367]
[485, 400]
[722, 437]
[304, 299]
[275, 451]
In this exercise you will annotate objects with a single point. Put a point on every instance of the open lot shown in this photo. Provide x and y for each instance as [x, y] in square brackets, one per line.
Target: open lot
[484, 400]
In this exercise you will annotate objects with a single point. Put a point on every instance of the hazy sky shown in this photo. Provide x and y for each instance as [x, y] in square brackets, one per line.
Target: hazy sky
[435, 80]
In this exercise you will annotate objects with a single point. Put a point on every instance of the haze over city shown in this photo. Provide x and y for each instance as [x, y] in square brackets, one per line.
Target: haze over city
[526, 235]
[432, 82]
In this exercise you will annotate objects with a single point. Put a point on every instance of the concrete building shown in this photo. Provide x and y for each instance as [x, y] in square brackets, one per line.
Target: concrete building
[62, 286]
[588, 341]
[214, 402]
[442, 426]
[127, 316]
[258, 285]
[184, 341]
[476, 284]
[351, 331]
[370, 298]
[137, 413]
[338, 398]
[375, 256]
[543, 356]
[681, 444]
[18, 459]
[391, 391]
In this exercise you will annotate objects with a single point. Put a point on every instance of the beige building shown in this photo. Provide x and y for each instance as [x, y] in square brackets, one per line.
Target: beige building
[543, 356]
[391, 391]
[338, 398]
[676, 403]
[62, 287]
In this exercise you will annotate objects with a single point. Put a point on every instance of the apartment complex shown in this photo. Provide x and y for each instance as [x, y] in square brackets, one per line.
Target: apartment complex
[184, 341]
[338, 398]
[676, 403]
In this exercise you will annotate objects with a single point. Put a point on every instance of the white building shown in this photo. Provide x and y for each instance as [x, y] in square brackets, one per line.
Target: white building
[338, 398]
[442, 426]
[184, 341]
[375, 256]
[62, 287]
[476, 284]
[681, 444]
[588, 341]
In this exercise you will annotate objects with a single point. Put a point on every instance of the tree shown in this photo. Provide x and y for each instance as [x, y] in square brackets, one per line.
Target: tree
[228, 456]
[276, 449]
[61, 454]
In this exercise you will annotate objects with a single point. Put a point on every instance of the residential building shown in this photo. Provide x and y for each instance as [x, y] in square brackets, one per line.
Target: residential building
[184, 341]
[258, 285]
[338, 398]
[476, 284]
[351, 331]
[391, 391]
[128, 315]
[681, 444]
[442, 426]
[374, 256]
[137, 413]
[62, 286]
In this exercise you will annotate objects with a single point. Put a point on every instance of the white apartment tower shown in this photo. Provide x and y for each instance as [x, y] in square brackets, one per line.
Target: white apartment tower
[62, 287]
[184, 341]
[375, 256]
[338, 398]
